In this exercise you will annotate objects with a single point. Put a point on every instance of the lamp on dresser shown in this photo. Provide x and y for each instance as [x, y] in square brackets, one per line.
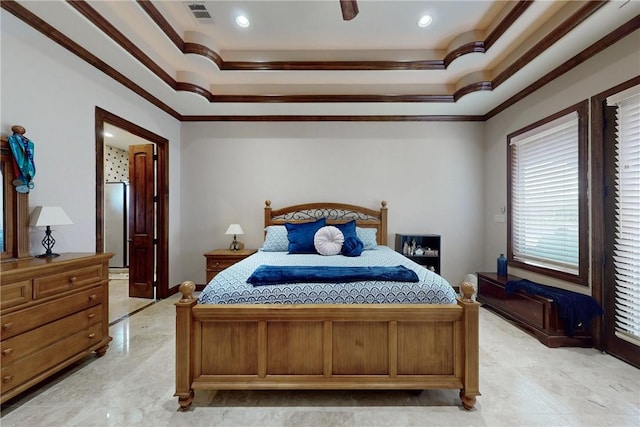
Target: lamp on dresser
[235, 229]
[47, 216]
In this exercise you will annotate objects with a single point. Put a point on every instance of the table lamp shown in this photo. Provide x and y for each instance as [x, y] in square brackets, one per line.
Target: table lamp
[235, 229]
[46, 216]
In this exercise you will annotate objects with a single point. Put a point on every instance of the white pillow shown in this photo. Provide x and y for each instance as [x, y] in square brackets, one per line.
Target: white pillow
[328, 240]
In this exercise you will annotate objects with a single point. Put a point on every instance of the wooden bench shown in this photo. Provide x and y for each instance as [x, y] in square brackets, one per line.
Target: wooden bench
[535, 314]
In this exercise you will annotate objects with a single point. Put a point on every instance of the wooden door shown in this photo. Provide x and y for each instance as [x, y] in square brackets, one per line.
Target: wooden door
[141, 221]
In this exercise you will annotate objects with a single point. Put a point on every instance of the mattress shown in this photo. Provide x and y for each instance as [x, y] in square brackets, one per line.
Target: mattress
[230, 285]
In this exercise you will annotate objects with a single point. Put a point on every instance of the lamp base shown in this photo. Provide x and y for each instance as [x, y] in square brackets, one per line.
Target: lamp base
[50, 255]
[48, 243]
[236, 246]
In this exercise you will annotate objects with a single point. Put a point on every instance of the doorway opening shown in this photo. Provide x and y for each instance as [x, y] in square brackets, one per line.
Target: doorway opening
[150, 264]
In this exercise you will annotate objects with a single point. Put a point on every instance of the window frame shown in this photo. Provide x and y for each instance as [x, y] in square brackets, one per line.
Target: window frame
[581, 278]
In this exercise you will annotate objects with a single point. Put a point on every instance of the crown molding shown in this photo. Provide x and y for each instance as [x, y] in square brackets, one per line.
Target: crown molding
[56, 36]
[619, 33]
[478, 46]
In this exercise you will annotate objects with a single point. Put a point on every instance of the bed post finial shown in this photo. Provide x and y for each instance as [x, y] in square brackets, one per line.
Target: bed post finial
[383, 204]
[467, 290]
[267, 203]
[186, 288]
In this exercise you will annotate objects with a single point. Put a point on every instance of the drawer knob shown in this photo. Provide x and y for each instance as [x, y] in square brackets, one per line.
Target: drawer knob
[73, 280]
[7, 379]
[92, 315]
[7, 351]
[93, 297]
[7, 326]
[92, 336]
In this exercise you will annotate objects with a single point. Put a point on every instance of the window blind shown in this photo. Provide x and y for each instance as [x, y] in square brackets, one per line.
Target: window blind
[626, 254]
[545, 196]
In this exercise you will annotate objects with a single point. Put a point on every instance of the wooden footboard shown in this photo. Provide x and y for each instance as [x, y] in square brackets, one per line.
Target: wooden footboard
[326, 346]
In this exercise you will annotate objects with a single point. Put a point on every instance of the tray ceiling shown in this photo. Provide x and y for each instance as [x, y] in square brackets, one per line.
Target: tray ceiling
[302, 58]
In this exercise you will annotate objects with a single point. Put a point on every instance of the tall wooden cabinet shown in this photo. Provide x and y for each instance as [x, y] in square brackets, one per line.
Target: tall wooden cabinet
[53, 312]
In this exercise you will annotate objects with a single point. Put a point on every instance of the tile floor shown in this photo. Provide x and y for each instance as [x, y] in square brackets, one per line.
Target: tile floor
[523, 383]
[120, 305]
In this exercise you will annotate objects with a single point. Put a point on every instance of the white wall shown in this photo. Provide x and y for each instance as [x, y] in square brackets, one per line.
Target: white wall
[53, 94]
[430, 174]
[615, 65]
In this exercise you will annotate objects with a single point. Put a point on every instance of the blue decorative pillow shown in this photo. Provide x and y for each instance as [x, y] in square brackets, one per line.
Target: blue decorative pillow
[352, 246]
[300, 235]
[276, 239]
[368, 237]
[348, 228]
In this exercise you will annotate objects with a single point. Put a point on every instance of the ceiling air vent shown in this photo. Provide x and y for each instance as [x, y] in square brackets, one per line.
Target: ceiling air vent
[199, 12]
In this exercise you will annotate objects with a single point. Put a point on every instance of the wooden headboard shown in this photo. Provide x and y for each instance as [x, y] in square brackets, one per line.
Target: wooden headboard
[335, 213]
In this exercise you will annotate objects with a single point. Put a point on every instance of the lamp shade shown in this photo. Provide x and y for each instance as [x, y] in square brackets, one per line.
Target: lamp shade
[42, 216]
[234, 229]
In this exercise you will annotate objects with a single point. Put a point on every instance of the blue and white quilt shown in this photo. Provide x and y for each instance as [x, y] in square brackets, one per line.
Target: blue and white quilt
[230, 286]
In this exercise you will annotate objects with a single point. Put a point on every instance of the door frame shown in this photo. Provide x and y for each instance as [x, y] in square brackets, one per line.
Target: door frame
[162, 185]
[597, 197]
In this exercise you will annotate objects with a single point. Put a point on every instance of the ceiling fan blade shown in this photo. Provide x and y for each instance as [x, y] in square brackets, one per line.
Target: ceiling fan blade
[349, 9]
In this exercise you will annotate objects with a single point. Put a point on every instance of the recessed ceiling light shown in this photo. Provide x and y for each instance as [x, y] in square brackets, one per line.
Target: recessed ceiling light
[242, 21]
[424, 21]
[108, 135]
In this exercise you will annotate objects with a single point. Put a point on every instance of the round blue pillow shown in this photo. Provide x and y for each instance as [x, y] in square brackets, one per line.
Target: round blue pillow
[352, 246]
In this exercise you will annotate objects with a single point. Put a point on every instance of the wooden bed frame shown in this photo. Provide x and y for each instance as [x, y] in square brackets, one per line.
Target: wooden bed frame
[326, 346]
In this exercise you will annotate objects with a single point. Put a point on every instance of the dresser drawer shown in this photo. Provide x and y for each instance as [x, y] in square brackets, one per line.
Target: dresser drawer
[73, 279]
[22, 345]
[17, 293]
[216, 266]
[36, 363]
[219, 265]
[35, 316]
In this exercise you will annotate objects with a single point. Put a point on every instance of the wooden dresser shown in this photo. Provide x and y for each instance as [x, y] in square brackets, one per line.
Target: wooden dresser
[53, 313]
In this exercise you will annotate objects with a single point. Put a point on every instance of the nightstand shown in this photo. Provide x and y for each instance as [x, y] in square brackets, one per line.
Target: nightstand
[219, 259]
